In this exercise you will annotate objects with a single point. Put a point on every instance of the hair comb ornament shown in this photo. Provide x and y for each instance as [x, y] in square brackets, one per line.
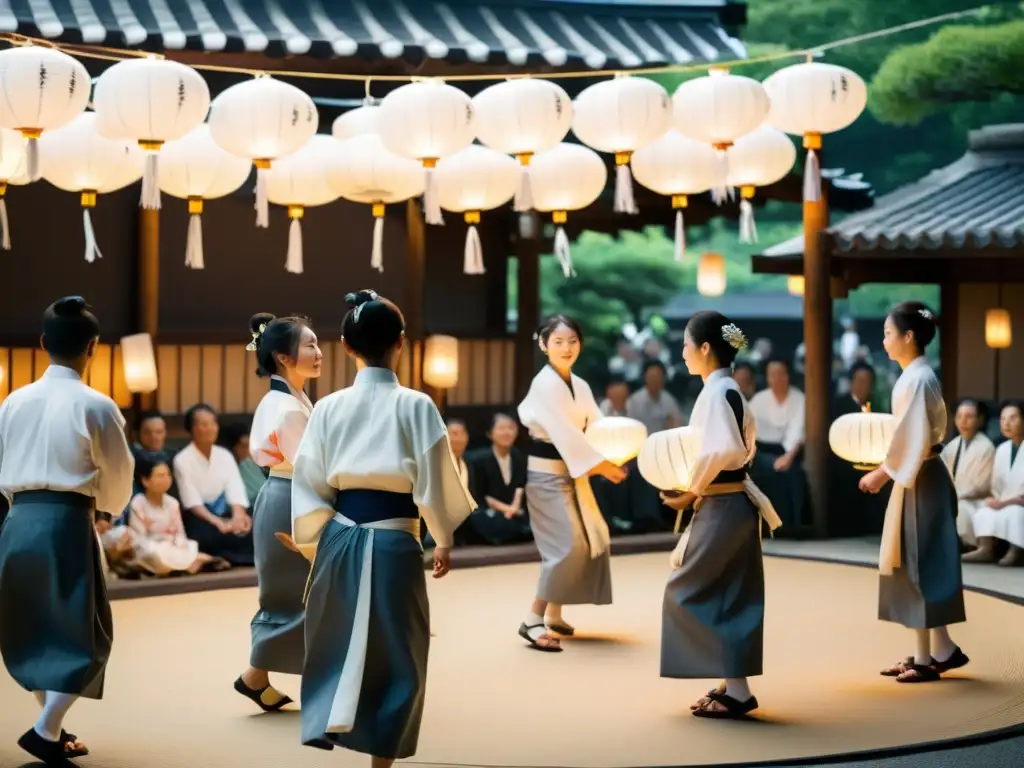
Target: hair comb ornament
[371, 296]
[251, 346]
[734, 336]
[926, 314]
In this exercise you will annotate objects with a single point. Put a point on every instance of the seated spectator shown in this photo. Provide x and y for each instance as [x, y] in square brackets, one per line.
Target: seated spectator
[1000, 520]
[969, 457]
[212, 492]
[743, 375]
[862, 390]
[616, 394]
[235, 437]
[499, 485]
[458, 436]
[151, 431]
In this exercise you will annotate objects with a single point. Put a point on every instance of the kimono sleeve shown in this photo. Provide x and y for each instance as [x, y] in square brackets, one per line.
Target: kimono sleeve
[911, 440]
[312, 494]
[290, 428]
[721, 445]
[438, 490]
[981, 475]
[549, 400]
[137, 516]
[114, 460]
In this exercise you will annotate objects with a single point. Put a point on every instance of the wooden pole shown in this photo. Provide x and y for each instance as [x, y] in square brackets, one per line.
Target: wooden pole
[527, 253]
[818, 357]
[415, 279]
[949, 297]
[149, 284]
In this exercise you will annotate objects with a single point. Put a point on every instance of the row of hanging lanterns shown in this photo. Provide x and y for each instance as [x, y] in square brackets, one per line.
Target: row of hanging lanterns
[153, 118]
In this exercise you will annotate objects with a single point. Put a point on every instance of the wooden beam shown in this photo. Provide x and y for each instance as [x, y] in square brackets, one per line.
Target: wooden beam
[949, 321]
[415, 279]
[149, 284]
[527, 253]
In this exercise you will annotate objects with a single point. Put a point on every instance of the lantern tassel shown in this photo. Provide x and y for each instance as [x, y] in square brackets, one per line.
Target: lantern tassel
[563, 252]
[473, 262]
[150, 199]
[721, 191]
[748, 228]
[377, 255]
[523, 201]
[680, 241]
[432, 200]
[262, 201]
[812, 178]
[624, 202]
[293, 263]
[32, 159]
[5, 229]
[92, 249]
[194, 243]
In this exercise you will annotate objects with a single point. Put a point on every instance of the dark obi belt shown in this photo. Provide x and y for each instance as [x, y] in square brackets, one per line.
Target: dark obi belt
[56, 498]
[544, 450]
[364, 506]
[730, 476]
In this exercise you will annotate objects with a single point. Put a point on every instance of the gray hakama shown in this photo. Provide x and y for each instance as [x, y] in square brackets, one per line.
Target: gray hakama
[367, 628]
[927, 589]
[278, 638]
[57, 629]
[569, 575]
[713, 610]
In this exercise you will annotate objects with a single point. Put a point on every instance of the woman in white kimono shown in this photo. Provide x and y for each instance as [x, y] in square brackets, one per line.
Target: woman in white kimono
[921, 585]
[969, 456]
[571, 534]
[713, 611]
[1001, 517]
[287, 352]
[374, 459]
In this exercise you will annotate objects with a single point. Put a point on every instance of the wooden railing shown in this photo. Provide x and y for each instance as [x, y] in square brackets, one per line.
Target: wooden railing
[224, 376]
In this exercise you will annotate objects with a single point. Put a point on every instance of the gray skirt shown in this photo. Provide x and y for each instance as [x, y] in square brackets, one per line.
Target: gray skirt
[57, 629]
[394, 680]
[568, 574]
[927, 590]
[278, 638]
[712, 623]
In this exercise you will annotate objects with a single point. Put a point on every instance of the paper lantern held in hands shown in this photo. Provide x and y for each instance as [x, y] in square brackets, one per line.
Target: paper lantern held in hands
[862, 438]
[667, 457]
[617, 438]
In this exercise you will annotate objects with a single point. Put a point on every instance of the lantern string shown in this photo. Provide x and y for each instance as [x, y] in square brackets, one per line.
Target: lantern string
[92, 248]
[293, 259]
[117, 54]
[748, 227]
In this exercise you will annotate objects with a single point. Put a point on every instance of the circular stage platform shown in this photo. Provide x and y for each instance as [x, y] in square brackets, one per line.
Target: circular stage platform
[493, 702]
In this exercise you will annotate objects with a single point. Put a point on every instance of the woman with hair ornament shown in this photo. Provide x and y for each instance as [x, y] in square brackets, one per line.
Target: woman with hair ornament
[374, 459]
[713, 610]
[920, 583]
[288, 353]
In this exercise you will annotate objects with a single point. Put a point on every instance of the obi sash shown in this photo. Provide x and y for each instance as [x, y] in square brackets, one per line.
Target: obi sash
[373, 510]
[544, 457]
[219, 506]
[57, 498]
[890, 553]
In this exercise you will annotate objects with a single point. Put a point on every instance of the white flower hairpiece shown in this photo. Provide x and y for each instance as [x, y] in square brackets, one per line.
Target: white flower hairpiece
[251, 346]
[734, 336]
[926, 314]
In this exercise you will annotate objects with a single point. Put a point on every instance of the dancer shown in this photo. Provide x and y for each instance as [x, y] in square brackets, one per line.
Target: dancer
[374, 459]
[287, 351]
[713, 611]
[571, 535]
[921, 586]
[63, 454]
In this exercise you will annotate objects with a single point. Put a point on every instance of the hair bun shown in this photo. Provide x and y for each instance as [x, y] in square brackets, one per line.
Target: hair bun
[360, 297]
[70, 306]
[260, 318]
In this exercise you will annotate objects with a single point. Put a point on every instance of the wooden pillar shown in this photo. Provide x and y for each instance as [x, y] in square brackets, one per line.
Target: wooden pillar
[149, 285]
[415, 280]
[527, 252]
[949, 303]
[818, 357]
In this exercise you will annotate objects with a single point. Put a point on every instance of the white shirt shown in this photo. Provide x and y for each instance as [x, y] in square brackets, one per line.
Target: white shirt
[202, 480]
[920, 415]
[277, 428]
[377, 435]
[59, 434]
[1007, 479]
[504, 466]
[973, 476]
[779, 423]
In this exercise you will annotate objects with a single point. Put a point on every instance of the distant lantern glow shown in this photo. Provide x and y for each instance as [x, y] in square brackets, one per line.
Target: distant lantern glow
[617, 438]
[711, 274]
[441, 362]
[998, 329]
[795, 284]
[139, 363]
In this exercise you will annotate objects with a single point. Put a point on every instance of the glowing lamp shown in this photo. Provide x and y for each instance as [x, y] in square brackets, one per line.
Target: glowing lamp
[862, 438]
[441, 362]
[667, 457]
[795, 284]
[711, 274]
[617, 438]
[139, 363]
[998, 330]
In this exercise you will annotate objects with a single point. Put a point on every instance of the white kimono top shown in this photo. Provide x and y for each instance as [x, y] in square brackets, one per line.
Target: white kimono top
[277, 427]
[1007, 480]
[972, 475]
[780, 423]
[59, 434]
[203, 480]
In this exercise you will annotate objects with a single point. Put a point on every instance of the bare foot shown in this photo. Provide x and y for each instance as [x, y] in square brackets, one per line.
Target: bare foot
[705, 700]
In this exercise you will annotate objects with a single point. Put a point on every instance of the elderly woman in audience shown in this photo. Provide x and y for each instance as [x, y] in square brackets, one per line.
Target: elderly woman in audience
[499, 483]
[777, 470]
[969, 457]
[212, 491]
[743, 375]
[1001, 517]
[658, 410]
[235, 437]
[616, 397]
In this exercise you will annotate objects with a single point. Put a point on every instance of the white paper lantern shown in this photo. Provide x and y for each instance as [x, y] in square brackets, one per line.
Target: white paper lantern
[666, 459]
[472, 180]
[12, 165]
[679, 167]
[76, 158]
[441, 362]
[195, 168]
[356, 122]
[718, 109]
[426, 121]
[43, 89]
[711, 280]
[810, 99]
[372, 174]
[862, 438]
[522, 117]
[262, 120]
[150, 101]
[617, 438]
[565, 178]
[621, 116]
[140, 375]
[302, 180]
[758, 159]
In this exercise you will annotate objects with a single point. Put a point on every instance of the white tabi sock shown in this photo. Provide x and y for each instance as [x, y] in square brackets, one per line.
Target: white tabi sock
[737, 688]
[532, 620]
[54, 710]
[942, 644]
[923, 654]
